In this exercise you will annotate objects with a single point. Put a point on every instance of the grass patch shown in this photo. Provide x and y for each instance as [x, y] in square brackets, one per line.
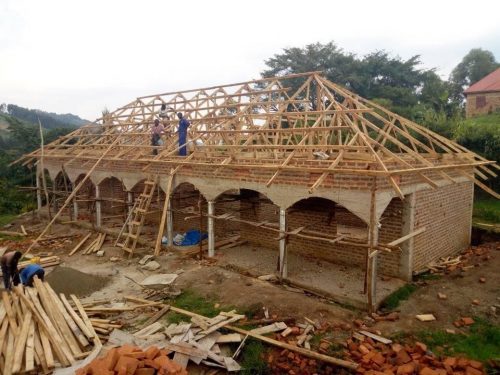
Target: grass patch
[6, 219]
[253, 362]
[487, 210]
[392, 301]
[481, 343]
[429, 276]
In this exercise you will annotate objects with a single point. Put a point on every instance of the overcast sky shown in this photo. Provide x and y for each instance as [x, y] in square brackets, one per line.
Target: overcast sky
[80, 56]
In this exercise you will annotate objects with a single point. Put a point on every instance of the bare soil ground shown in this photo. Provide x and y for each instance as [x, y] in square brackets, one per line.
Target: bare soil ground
[230, 288]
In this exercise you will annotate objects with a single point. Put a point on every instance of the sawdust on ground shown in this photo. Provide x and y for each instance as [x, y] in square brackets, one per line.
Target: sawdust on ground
[70, 281]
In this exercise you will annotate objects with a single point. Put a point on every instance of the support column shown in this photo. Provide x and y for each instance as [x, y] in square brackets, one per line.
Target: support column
[283, 247]
[97, 207]
[371, 261]
[211, 239]
[406, 259]
[170, 224]
[75, 209]
[130, 201]
[38, 193]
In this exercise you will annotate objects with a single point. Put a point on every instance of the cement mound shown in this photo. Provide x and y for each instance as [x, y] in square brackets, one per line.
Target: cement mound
[70, 281]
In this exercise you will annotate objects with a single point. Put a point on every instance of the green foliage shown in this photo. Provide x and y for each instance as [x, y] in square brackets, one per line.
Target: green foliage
[19, 138]
[253, 362]
[49, 120]
[481, 135]
[474, 66]
[487, 210]
[392, 301]
[6, 219]
[481, 343]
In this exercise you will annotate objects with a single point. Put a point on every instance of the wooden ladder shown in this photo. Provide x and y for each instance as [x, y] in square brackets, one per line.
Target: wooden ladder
[132, 227]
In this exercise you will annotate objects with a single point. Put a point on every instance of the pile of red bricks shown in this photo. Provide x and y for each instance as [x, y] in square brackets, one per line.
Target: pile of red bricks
[379, 359]
[131, 360]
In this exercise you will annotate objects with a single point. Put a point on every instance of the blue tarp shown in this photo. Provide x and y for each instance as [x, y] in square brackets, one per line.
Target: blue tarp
[190, 238]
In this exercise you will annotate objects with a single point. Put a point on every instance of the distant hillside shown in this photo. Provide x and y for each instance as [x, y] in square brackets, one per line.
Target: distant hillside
[49, 120]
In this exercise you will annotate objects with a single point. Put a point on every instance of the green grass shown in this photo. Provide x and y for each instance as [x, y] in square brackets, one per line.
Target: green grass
[481, 343]
[392, 301]
[252, 358]
[487, 210]
[191, 301]
[6, 219]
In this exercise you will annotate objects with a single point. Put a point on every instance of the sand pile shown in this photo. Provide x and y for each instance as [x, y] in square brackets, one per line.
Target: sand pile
[70, 281]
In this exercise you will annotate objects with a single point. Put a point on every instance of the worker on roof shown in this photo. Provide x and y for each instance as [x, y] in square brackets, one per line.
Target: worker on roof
[29, 272]
[183, 127]
[164, 113]
[10, 273]
[156, 133]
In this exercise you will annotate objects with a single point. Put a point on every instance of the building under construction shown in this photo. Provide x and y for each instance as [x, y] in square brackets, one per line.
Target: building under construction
[297, 165]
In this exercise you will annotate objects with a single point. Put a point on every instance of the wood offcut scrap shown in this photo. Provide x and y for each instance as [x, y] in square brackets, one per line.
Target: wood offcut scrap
[39, 331]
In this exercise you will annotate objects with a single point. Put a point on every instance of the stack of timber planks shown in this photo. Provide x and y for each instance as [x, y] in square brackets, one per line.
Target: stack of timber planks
[40, 330]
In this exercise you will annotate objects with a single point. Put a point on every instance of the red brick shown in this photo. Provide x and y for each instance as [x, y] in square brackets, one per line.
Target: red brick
[402, 357]
[145, 371]
[408, 368]
[472, 371]
[128, 363]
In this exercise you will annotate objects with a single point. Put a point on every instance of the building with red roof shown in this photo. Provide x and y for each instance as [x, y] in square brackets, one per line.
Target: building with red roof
[483, 97]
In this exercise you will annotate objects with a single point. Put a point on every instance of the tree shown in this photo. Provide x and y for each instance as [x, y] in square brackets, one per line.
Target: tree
[374, 76]
[474, 66]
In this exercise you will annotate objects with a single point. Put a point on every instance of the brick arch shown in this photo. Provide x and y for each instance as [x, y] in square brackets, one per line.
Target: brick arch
[62, 180]
[113, 195]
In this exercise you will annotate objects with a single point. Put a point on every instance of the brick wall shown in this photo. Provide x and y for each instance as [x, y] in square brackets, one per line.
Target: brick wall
[112, 192]
[446, 213]
[482, 103]
[323, 216]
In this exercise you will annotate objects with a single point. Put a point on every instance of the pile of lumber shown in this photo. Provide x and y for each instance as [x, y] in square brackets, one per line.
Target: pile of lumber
[46, 262]
[376, 354]
[93, 247]
[130, 359]
[40, 330]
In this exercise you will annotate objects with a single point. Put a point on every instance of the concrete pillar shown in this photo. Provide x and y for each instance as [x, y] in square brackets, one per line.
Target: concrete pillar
[130, 201]
[75, 209]
[170, 224]
[406, 258]
[211, 239]
[97, 207]
[283, 249]
[372, 273]
[38, 193]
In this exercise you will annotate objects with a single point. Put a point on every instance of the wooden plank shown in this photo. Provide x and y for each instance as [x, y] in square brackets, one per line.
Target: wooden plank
[76, 318]
[378, 338]
[231, 337]
[75, 249]
[57, 317]
[187, 349]
[40, 358]
[61, 350]
[9, 353]
[47, 350]
[275, 327]
[407, 237]
[10, 313]
[82, 340]
[30, 348]
[181, 359]
[164, 213]
[20, 343]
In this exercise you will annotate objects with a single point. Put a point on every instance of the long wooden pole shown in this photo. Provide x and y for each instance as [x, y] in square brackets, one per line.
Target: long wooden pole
[166, 206]
[44, 182]
[73, 193]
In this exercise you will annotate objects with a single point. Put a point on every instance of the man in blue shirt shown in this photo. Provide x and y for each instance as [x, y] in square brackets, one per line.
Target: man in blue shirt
[29, 272]
[183, 127]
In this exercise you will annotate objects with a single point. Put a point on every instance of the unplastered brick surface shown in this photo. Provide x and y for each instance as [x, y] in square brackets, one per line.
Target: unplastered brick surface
[446, 214]
[324, 220]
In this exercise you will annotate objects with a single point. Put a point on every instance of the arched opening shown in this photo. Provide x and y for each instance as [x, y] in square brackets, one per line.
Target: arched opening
[84, 201]
[113, 199]
[61, 188]
[186, 203]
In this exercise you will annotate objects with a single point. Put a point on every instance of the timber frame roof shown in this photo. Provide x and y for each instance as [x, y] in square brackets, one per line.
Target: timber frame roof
[275, 124]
